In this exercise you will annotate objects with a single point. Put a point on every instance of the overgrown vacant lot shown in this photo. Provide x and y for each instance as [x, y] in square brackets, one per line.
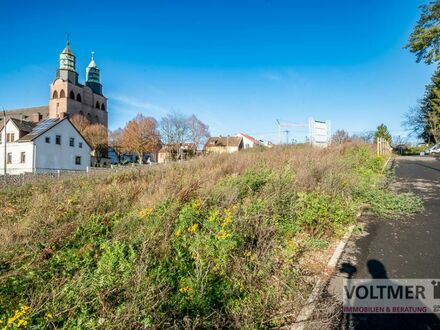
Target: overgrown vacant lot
[222, 241]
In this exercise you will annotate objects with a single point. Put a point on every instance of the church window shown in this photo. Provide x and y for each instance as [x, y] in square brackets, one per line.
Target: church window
[72, 95]
[97, 119]
[55, 95]
[62, 94]
[78, 97]
[103, 107]
[97, 105]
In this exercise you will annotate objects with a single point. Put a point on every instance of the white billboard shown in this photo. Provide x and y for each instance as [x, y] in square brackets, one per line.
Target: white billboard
[319, 132]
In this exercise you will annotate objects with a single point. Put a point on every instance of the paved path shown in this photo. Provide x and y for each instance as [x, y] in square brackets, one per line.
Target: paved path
[403, 248]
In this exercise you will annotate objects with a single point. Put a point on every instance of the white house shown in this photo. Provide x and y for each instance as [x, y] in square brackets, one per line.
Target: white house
[49, 145]
[249, 141]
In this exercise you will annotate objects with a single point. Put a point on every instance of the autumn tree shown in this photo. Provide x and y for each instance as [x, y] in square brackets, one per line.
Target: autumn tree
[97, 137]
[140, 136]
[80, 122]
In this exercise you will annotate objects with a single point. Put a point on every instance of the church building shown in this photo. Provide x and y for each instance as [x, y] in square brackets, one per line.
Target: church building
[69, 97]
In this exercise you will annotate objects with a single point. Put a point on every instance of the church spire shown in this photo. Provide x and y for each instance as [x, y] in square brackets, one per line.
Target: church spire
[66, 70]
[92, 71]
[93, 76]
[67, 59]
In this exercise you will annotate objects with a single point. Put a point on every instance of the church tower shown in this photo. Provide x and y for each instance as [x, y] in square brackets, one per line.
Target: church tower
[68, 97]
[66, 69]
[93, 76]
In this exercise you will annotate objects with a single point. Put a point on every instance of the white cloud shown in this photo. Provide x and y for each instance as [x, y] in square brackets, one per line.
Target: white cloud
[132, 104]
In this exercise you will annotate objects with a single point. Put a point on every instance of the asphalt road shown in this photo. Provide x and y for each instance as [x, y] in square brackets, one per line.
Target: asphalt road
[405, 248]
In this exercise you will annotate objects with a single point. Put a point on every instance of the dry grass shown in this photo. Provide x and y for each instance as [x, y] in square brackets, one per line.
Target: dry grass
[219, 241]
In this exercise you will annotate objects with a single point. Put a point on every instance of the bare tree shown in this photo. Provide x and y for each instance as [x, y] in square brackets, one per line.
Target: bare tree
[97, 136]
[140, 136]
[340, 137]
[198, 132]
[174, 128]
[115, 142]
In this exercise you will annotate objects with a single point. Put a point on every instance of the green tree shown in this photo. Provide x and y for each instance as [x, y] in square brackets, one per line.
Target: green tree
[424, 41]
[382, 132]
[424, 119]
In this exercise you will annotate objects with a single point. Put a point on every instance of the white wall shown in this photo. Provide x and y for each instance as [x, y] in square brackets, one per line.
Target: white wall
[15, 148]
[51, 156]
[16, 167]
[48, 156]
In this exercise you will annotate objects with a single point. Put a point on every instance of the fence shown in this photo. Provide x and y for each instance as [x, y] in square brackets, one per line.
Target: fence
[383, 147]
[24, 178]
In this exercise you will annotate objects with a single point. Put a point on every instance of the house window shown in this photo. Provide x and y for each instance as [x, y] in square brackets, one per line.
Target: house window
[78, 160]
[23, 157]
[9, 158]
[72, 142]
[10, 137]
[58, 139]
[80, 144]
[47, 139]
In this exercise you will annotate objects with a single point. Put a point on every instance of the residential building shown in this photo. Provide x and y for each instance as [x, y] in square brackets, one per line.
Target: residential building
[49, 145]
[249, 141]
[175, 152]
[223, 144]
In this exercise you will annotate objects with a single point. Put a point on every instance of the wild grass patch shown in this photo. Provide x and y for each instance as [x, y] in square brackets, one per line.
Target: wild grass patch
[214, 242]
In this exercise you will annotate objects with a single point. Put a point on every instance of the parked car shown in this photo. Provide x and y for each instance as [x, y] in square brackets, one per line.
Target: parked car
[433, 150]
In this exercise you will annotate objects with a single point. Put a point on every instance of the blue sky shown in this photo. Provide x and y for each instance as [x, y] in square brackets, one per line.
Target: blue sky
[237, 65]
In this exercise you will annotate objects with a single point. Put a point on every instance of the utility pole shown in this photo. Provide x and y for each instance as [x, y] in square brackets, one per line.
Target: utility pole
[4, 142]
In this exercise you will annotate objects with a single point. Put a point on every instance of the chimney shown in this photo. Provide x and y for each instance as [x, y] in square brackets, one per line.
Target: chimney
[36, 117]
[64, 115]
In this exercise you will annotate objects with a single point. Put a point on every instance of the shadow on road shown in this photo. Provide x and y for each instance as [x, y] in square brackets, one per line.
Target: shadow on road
[426, 166]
